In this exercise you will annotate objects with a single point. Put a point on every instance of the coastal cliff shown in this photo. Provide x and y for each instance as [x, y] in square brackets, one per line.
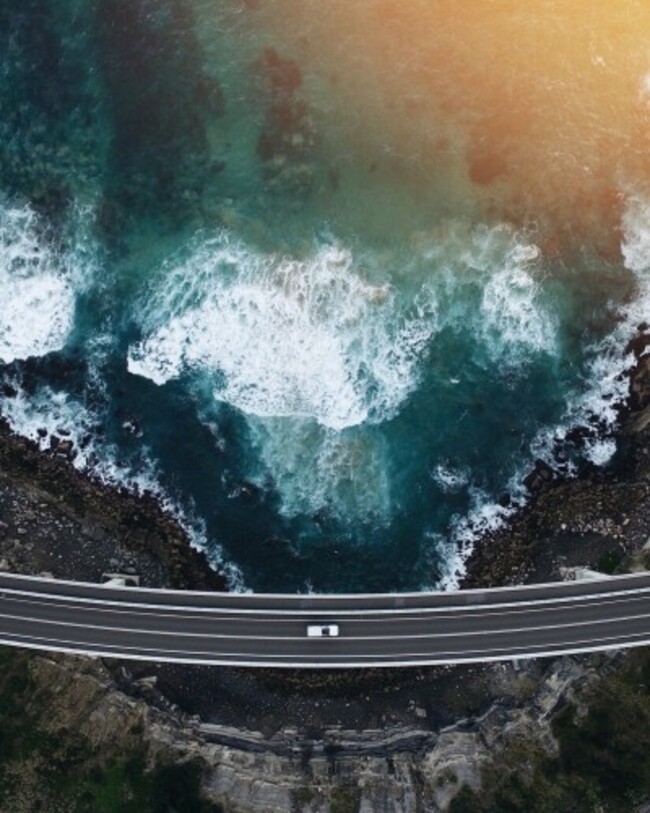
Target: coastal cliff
[571, 735]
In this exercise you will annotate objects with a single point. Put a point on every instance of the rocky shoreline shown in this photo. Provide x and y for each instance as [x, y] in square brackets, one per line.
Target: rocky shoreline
[54, 519]
[86, 527]
[597, 519]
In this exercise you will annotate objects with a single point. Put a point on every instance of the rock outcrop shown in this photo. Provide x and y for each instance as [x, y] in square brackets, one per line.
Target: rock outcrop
[394, 769]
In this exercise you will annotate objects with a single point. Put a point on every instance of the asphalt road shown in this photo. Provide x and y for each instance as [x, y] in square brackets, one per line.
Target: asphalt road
[375, 630]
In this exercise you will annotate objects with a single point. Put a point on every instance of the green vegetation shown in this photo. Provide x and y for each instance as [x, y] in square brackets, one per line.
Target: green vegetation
[344, 800]
[124, 787]
[304, 796]
[609, 561]
[43, 771]
[602, 762]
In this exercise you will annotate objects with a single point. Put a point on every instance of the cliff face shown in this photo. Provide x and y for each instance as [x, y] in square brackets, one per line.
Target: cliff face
[564, 738]
[78, 742]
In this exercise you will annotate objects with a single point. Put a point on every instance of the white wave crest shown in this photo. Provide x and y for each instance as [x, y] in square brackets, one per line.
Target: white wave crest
[606, 383]
[512, 314]
[307, 348]
[285, 337]
[38, 296]
[449, 479]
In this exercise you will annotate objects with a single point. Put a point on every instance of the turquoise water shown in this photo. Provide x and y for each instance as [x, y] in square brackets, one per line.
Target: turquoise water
[326, 277]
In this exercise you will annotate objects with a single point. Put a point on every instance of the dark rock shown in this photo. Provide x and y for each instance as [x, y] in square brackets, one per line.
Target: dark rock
[598, 423]
[539, 476]
[8, 391]
[640, 384]
[638, 344]
[639, 423]
[505, 500]
[86, 522]
[65, 448]
[578, 435]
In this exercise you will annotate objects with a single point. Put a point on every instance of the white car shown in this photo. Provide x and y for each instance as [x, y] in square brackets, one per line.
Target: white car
[322, 630]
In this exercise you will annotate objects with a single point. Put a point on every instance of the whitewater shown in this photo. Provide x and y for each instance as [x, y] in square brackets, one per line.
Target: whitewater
[330, 321]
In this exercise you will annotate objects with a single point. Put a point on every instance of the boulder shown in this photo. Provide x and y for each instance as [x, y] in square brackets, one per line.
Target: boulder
[539, 476]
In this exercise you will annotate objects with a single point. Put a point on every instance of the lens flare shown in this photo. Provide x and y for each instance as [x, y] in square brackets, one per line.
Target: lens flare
[523, 110]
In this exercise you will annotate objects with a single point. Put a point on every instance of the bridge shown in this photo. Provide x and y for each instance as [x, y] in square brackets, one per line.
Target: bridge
[268, 630]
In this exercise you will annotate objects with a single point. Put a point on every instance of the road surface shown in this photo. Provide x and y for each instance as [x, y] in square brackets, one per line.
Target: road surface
[375, 630]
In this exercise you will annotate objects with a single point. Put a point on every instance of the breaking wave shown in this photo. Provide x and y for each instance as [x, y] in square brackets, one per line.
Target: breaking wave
[285, 337]
[311, 351]
[38, 288]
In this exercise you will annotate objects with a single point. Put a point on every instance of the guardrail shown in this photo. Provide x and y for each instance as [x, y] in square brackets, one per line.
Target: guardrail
[373, 630]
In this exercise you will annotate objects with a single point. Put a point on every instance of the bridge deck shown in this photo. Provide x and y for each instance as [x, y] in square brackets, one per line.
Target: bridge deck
[375, 630]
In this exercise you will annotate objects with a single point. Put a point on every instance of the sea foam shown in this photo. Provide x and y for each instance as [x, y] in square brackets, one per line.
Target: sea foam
[284, 337]
[313, 353]
[606, 384]
[605, 388]
[513, 316]
[38, 292]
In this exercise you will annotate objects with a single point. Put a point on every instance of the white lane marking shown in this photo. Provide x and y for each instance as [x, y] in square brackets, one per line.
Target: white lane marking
[317, 612]
[305, 616]
[292, 596]
[301, 638]
[472, 656]
[235, 662]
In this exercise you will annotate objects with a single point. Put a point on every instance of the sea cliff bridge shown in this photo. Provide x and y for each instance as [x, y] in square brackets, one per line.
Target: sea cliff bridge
[267, 630]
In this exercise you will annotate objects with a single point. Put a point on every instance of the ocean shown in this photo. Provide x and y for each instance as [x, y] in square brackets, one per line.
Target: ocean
[326, 277]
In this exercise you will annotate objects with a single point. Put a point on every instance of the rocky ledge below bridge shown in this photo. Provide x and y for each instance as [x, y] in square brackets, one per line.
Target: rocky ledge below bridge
[573, 736]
